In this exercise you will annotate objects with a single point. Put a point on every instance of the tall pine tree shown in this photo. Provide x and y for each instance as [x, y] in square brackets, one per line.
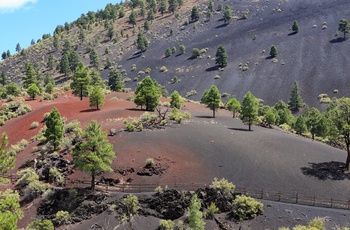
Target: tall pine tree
[212, 98]
[295, 101]
[249, 109]
[81, 81]
[54, 128]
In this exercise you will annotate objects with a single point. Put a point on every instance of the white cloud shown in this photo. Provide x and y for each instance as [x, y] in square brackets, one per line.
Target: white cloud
[12, 5]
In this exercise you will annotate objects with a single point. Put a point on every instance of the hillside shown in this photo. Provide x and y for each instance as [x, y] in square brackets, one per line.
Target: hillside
[315, 57]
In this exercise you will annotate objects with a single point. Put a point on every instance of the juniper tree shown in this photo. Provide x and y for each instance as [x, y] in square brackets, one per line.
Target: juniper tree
[249, 109]
[96, 97]
[182, 49]
[81, 81]
[150, 15]
[228, 14]
[221, 56]
[49, 87]
[146, 25]
[212, 98]
[142, 42]
[173, 4]
[211, 6]
[195, 14]
[54, 128]
[168, 52]
[132, 18]
[115, 80]
[295, 101]
[162, 6]
[94, 155]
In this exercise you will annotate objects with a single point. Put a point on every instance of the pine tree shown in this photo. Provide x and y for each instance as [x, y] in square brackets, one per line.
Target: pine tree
[234, 106]
[94, 59]
[12, 89]
[10, 209]
[344, 27]
[221, 56]
[49, 87]
[94, 155]
[150, 15]
[33, 91]
[82, 35]
[81, 81]
[300, 125]
[249, 109]
[64, 64]
[142, 42]
[273, 51]
[18, 48]
[195, 216]
[168, 52]
[295, 101]
[271, 116]
[295, 27]
[54, 128]
[146, 25]
[115, 80]
[111, 32]
[162, 6]
[30, 77]
[96, 79]
[176, 100]
[147, 93]
[3, 78]
[173, 4]
[211, 6]
[132, 18]
[195, 14]
[96, 97]
[228, 14]
[50, 62]
[316, 122]
[212, 98]
[7, 160]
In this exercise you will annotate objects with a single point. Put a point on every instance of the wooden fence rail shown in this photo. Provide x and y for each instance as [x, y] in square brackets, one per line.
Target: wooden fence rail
[263, 194]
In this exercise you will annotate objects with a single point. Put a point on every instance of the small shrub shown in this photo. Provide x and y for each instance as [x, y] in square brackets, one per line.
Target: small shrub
[212, 209]
[245, 208]
[148, 70]
[336, 91]
[130, 127]
[62, 217]
[34, 125]
[133, 68]
[195, 53]
[163, 69]
[223, 185]
[149, 162]
[158, 189]
[41, 225]
[166, 225]
[217, 77]
[66, 88]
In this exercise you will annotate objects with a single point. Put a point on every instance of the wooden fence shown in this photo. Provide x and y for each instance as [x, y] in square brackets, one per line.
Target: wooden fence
[263, 194]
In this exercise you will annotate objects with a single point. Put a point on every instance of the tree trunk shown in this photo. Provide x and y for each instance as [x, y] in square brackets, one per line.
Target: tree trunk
[97, 104]
[348, 157]
[249, 126]
[93, 181]
[233, 113]
[214, 113]
[313, 136]
[81, 93]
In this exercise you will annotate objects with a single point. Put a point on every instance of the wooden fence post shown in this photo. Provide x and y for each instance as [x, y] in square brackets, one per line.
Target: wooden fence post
[262, 194]
[140, 187]
[279, 196]
[314, 200]
[296, 198]
[331, 202]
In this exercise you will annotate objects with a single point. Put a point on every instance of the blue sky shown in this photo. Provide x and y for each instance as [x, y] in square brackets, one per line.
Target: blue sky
[24, 20]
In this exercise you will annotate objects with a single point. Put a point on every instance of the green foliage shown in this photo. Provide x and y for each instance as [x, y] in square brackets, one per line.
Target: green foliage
[168, 52]
[228, 14]
[41, 225]
[10, 210]
[7, 160]
[149, 162]
[34, 125]
[56, 176]
[195, 53]
[234, 106]
[33, 91]
[94, 59]
[95, 154]
[27, 176]
[300, 125]
[55, 128]
[273, 51]
[314, 224]
[295, 27]
[96, 97]
[115, 80]
[147, 93]
[245, 208]
[132, 18]
[176, 100]
[271, 116]
[344, 27]
[212, 209]
[173, 5]
[249, 109]
[221, 56]
[81, 81]
[30, 75]
[195, 14]
[182, 49]
[12, 89]
[212, 98]
[195, 216]
[131, 204]
[226, 187]
[162, 6]
[295, 101]
[166, 225]
[142, 42]
[62, 217]
[49, 88]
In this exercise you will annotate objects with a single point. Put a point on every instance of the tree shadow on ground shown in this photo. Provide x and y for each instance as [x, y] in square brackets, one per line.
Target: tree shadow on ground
[221, 26]
[88, 110]
[269, 57]
[292, 33]
[214, 68]
[337, 40]
[240, 129]
[135, 109]
[206, 117]
[326, 171]
[134, 56]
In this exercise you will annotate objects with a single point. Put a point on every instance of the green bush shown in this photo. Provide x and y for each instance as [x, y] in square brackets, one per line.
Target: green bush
[34, 125]
[195, 53]
[41, 225]
[163, 69]
[226, 187]
[166, 225]
[245, 208]
[212, 209]
[130, 127]
[62, 217]
[149, 162]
